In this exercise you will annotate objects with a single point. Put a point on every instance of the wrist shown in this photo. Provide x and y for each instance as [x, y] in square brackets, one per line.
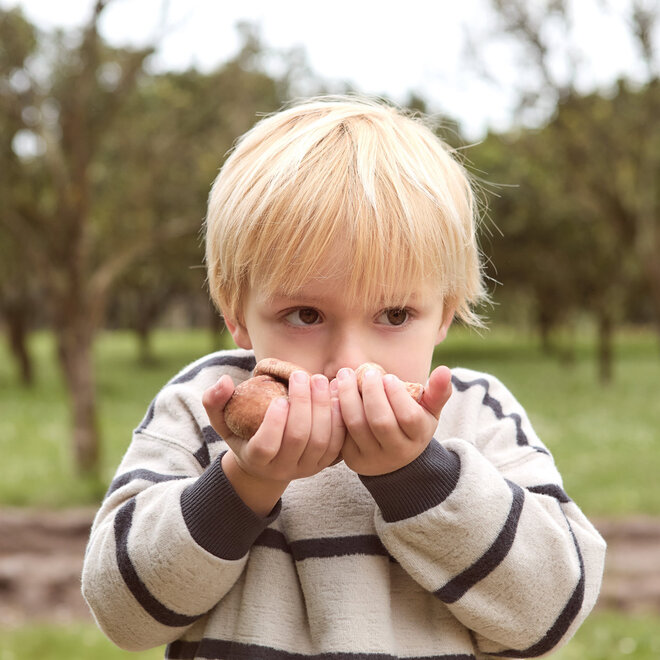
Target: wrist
[417, 487]
[258, 493]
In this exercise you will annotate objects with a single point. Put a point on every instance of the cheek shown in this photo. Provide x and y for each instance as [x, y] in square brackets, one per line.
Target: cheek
[410, 360]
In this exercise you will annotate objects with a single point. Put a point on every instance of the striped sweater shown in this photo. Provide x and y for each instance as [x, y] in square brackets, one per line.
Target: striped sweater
[472, 551]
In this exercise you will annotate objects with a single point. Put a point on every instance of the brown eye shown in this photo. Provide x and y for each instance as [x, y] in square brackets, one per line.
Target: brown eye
[308, 316]
[303, 316]
[396, 316]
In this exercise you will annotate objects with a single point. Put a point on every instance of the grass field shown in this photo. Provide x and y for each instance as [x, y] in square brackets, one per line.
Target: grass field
[604, 439]
[604, 636]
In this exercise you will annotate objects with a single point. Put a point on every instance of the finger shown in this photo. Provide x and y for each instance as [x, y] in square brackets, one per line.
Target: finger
[437, 391]
[353, 411]
[377, 408]
[265, 445]
[321, 428]
[299, 422]
[214, 401]
[337, 434]
[410, 416]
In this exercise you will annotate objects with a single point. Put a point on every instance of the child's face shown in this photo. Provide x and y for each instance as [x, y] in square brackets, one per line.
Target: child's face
[319, 331]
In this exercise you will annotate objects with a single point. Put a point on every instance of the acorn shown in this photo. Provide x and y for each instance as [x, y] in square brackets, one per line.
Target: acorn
[247, 406]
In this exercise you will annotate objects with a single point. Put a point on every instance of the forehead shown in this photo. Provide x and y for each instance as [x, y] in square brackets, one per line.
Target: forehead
[366, 276]
[335, 291]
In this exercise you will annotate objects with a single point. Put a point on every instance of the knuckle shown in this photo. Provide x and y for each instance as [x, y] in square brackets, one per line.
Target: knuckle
[380, 423]
[296, 435]
[262, 455]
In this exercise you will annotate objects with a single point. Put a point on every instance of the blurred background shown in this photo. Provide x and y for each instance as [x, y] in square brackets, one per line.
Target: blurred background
[115, 117]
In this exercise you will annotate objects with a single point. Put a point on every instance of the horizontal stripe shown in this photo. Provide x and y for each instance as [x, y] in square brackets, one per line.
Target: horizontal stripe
[552, 490]
[140, 474]
[210, 435]
[341, 546]
[323, 548]
[491, 559]
[202, 456]
[271, 538]
[492, 403]
[153, 607]
[246, 363]
[227, 650]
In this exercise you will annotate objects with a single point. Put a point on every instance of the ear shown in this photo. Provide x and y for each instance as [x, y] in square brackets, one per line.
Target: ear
[447, 318]
[239, 333]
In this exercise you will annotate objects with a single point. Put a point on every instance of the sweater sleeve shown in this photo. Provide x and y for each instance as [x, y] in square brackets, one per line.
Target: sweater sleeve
[171, 537]
[481, 520]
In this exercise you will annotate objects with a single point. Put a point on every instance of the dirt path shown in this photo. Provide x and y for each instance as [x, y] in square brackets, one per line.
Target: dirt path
[41, 558]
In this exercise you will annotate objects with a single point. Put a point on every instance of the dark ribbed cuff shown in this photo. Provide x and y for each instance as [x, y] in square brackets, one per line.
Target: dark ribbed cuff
[217, 518]
[416, 487]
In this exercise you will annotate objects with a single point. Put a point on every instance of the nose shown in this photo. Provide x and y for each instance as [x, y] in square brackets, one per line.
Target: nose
[347, 348]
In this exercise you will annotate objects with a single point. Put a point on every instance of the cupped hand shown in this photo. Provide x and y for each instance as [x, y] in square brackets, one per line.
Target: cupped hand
[386, 428]
[297, 438]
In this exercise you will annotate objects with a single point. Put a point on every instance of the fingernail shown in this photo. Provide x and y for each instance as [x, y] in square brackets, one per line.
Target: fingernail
[371, 374]
[334, 387]
[319, 382]
[344, 374]
[300, 377]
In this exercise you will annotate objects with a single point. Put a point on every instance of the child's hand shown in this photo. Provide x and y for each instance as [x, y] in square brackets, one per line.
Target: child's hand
[386, 428]
[297, 438]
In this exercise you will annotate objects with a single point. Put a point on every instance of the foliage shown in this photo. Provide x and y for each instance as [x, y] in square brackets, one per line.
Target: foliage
[105, 167]
[582, 238]
[586, 214]
[113, 187]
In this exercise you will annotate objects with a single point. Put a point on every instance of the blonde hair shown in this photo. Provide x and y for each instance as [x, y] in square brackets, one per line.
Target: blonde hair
[354, 172]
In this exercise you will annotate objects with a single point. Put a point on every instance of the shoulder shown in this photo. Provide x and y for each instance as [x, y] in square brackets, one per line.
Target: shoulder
[476, 384]
[238, 363]
[180, 400]
[480, 398]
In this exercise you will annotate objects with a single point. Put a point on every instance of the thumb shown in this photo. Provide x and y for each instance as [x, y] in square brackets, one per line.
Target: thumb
[214, 400]
[437, 391]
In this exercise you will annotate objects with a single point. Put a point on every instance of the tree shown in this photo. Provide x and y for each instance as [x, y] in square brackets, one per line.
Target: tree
[121, 175]
[18, 283]
[601, 149]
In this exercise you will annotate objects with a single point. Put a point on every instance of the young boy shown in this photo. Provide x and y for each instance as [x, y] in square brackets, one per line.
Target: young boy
[351, 525]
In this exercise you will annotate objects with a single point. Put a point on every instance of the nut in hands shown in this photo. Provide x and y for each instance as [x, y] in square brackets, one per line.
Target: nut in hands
[247, 406]
[415, 390]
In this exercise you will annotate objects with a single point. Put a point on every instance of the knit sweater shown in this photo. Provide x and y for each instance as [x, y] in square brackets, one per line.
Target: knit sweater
[473, 550]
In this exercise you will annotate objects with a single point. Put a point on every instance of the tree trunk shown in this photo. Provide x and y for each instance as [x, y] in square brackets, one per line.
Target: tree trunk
[145, 351]
[75, 350]
[651, 267]
[605, 352]
[17, 331]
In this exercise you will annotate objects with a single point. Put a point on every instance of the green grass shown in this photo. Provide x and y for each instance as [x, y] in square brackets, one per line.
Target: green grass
[610, 636]
[604, 636]
[604, 439]
[79, 641]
